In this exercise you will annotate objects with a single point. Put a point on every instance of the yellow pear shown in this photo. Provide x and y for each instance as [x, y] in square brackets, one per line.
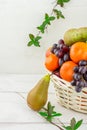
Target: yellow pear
[37, 97]
[74, 35]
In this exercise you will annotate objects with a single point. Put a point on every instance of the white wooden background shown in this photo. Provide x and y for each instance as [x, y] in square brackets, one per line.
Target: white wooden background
[16, 115]
[18, 18]
[21, 67]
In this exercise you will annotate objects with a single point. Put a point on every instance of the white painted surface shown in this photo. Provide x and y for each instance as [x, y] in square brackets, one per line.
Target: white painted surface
[16, 115]
[18, 18]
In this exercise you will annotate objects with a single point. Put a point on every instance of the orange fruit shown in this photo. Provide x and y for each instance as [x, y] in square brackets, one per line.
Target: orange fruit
[78, 51]
[48, 52]
[52, 62]
[66, 70]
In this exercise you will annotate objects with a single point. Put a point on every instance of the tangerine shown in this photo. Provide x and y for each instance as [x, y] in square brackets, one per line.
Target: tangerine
[48, 52]
[66, 70]
[78, 51]
[52, 62]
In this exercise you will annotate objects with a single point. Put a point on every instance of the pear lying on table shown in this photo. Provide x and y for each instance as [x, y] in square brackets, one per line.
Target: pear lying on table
[37, 97]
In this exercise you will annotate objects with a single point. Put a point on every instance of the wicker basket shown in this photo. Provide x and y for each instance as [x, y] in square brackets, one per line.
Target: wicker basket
[68, 97]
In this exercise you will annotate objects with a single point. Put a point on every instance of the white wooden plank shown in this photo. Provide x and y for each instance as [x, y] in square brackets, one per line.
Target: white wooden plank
[36, 126]
[22, 83]
[14, 109]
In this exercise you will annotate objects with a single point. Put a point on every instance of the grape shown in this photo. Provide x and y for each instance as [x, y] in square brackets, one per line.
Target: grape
[85, 77]
[61, 46]
[66, 57]
[76, 69]
[61, 41]
[78, 89]
[65, 48]
[80, 83]
[82, 63]
[73, 82]
[61, 61]
[61, 51]
[60, 54]
[82, 69]
[80, 76]
[77, 76]
[55, 50]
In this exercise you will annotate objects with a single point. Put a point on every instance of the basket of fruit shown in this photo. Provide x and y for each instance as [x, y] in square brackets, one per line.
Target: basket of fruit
[66, 61]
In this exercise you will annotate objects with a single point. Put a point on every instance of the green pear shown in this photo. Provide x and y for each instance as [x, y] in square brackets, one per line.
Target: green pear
[74, 35]
[37, 97]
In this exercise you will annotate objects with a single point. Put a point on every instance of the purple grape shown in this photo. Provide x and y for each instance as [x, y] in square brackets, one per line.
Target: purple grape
[65, 48]
[55, 50]
[73, 82]
[76, 69]
[80, 76]
[60, 54]
[66, 57]
[61, 61]
[85, 76]
[78, 89]
[77, 76]
[82, 63]
[80, 83]
[61, 46]
[82, 69]
[61, 41]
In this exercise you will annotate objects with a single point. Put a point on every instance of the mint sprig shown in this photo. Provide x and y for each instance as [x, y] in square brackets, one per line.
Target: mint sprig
[34, 40]
[73, 124]
[55, 14]
[46, 22]
[49, 114]
[58, 14]
[62, 2]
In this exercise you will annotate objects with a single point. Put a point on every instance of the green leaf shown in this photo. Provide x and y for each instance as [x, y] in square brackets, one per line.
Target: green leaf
[72, 123]
[34, 40]
[43, 114]
[58, 14]
[51, 18]
[66, 0]
[48, 19]
[61, 2]
[38, 38]
[56, 114]
[78, 124]
[31, 36]
[36, 43]
[30, 43]
[46, 16]
[41, 28]
[68, 127]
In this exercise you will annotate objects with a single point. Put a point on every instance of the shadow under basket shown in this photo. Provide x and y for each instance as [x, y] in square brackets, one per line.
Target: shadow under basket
[68, 97]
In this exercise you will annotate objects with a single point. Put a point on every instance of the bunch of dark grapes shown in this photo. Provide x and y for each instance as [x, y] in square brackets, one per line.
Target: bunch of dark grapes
[80, 76]
[61, 51]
